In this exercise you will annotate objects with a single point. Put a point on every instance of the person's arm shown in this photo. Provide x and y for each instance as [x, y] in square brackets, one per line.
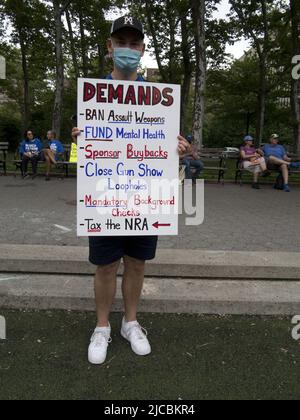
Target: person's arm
[195, 152]
[183, 146]
[36, 149]
[286, 158]
[261, 152]
[23, 151]
[247, 157]
[75, 133]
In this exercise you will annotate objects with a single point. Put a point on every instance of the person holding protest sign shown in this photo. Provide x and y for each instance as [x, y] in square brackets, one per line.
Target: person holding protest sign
[126, 47]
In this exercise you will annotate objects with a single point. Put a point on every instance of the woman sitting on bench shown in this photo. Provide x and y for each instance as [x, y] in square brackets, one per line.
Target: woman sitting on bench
[30, 151]
[52, 150]
[252, 161]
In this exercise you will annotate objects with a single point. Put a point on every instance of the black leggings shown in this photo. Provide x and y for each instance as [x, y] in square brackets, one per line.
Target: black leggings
[34, 162]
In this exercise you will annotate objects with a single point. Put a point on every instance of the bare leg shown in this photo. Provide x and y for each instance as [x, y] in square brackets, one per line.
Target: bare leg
[50, 160]
[256, 175]
[132, 286]
[48, 153]
[263, 165]
[277, 161]
[52, 157]
[48, 165]
[105, 291]
[285, 173]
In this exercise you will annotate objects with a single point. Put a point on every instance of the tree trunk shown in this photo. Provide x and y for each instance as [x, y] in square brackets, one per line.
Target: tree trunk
[101, 60]
[173, 78]
[153, 33]
[101, 41]
[59, 94]
[84, 57]
[295, 84]
[72, 45]
[263, 54]
[188, 70]
[262, 49]
[198, 11]
[262, 97]
[26, 103]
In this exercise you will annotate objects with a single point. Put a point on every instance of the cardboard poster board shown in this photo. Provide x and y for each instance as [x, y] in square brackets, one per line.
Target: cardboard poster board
[128, 163]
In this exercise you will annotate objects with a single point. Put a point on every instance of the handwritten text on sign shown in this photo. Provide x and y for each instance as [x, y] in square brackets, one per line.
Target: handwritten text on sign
[127, 158]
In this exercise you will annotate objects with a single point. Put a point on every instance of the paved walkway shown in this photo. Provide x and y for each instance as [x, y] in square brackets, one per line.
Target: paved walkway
[36, 212]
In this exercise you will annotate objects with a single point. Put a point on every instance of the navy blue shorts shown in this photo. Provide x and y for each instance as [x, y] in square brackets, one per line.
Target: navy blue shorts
[107, 250]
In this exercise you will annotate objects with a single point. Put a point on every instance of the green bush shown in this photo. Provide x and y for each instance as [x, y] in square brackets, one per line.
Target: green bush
[10, 124]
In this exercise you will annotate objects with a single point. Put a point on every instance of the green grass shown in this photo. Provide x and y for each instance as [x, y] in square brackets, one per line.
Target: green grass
[194, 357]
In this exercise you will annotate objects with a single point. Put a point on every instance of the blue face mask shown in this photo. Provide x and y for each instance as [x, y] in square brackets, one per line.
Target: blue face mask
[127, 60]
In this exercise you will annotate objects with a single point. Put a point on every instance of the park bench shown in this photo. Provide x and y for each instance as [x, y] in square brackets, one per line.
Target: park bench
[240, 171]
[296, 158]
[64, 163]
[214, 160]
[3, 157]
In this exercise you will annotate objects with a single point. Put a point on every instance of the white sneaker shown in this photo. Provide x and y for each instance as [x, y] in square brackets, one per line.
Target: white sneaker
[137, 337]
[99, 344]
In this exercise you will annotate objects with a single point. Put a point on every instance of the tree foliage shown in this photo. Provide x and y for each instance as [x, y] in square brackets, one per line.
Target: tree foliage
[222, 98]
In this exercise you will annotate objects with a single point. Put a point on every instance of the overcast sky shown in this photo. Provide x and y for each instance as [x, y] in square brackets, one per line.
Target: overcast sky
[237, 50]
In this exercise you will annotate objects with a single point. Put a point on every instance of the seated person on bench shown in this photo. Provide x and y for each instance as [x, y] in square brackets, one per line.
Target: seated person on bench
[52, 151]
[277, 159]
[252, 161]
[30, 151]
[191, 160]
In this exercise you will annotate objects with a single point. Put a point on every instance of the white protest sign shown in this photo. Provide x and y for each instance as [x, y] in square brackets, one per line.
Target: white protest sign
[128, 164]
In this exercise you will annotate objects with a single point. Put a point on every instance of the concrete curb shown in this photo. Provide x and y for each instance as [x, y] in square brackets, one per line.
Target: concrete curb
[169, 263]
[53, 292]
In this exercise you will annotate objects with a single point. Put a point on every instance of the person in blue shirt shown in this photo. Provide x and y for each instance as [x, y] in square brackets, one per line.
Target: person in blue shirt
[30, 151]
[192, 160]
[277, 158]
[53, 150]
[126, 46]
